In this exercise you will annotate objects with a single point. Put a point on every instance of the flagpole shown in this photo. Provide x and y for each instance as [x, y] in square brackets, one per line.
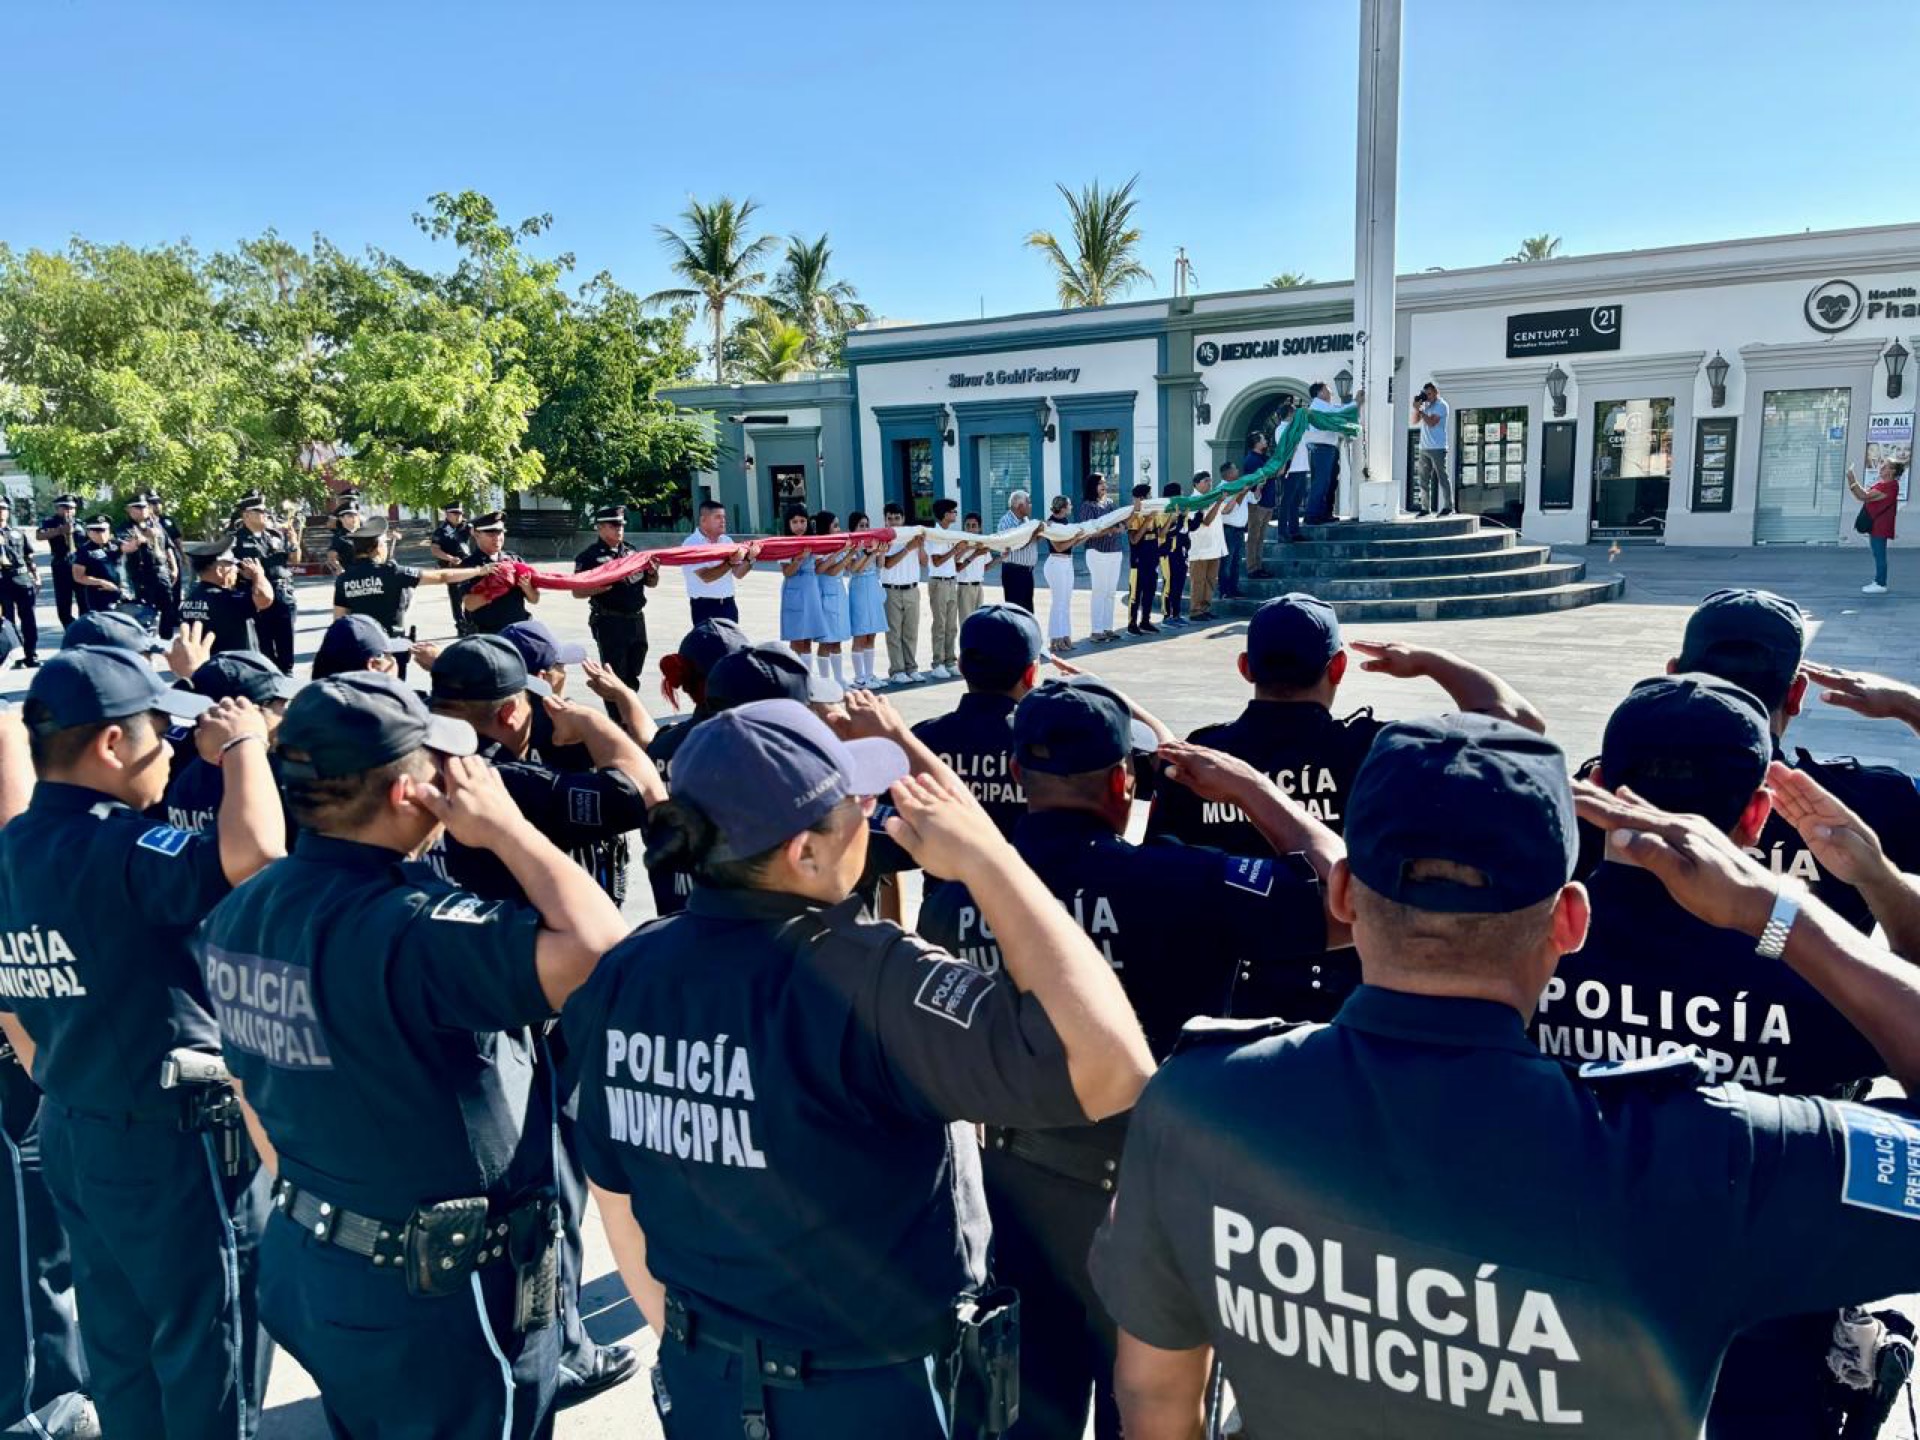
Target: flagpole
[1376, 188]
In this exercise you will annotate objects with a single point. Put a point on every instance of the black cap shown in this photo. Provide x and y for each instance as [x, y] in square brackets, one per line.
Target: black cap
[1073, 726]
[1479, 792]
[610, 515]
[998, 645]
[1291, 640]
[453, 505]
[1693, 744]
[113, 628]
[250, 502]
[371, 528]
[491, 520]
[765, 771]
[71, 502]
[540, 647]
[769, 671]
[244, 673]
[203, 553]
[86, 684]
[154, 497]
[710, 642]
[483, 667]
[1754, 638]
[351, 641]
[137, 498]
[350, 723]
[98, 522]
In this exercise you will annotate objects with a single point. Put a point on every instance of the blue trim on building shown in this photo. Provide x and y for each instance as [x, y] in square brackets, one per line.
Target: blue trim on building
[1110, 410]
[908, 422]
[975, 418]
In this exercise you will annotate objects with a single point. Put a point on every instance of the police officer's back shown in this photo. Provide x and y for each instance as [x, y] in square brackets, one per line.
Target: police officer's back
[1412, 1222]
[770, 1084]
[375, 1015]
[1000, 647]
[371, 582]
[98, 974]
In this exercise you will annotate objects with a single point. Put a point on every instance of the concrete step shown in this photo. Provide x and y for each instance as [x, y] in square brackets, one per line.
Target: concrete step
[1282, 564]
[1432, 527]
[1466, 607]
[1479, 543]
[1497, 582]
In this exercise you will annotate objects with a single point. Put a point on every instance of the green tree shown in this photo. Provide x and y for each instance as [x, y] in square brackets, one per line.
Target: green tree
[718, 261]
[1535, 247]
[767, 348]
[1288, 280]
[1104, 262]
[823, 308]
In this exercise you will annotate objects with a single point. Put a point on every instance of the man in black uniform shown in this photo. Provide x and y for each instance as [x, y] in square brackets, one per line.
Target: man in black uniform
[1411, 1222]
[19, 584]
[1295, 660]
[98, 569]
[370, 583]
[156, 1193]
[1000, 649]
[195, 789]
[267, 546]
[219, 601]
[152, 569]
[347, 520]
[617, 615]
[57, 530]
[452, 545]
[358, 642]
[1175, 923]
[491, 616]
[376, 1017]
[175, 541]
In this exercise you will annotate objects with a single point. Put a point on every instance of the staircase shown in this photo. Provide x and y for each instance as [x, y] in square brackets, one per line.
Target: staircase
[1437, 568]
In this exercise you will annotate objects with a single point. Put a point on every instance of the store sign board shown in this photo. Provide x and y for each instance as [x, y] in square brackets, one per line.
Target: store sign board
[1019, 375]
[1217, 352]
[1563, 332]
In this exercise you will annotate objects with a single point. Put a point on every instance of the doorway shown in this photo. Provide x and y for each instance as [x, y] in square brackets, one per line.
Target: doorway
[1803, 464]
[912, 487]
[789, 489]
[1632, 468]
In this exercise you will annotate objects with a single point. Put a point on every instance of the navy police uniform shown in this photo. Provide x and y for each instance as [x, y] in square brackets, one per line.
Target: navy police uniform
[159, 1201]
[379, 589]
[196, 788]
[100, 558]
[999, 646]
[453, 538]
[152, 570]
[617, 616]
[19, 583]
[270, 549]
[225, 612]
[57, 529]
[510, 606]
[775, 1084]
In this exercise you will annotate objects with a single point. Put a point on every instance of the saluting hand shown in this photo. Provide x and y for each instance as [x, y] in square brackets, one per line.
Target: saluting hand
[1210, 774]
[1839, 839]
[604, 683]
[939, 823]
[230, 719]
[471, 801]
[192, 647]
[866, 716]
[1864, 693]
[1392, 657]
[1701, 867]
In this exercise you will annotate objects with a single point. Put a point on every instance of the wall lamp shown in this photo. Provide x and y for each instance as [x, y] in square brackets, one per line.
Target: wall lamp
[1717, 369]
[1896, 363]
[1202, 411]
[943, 422]
[1343, 382]
[1043, 413]
[1557, 388]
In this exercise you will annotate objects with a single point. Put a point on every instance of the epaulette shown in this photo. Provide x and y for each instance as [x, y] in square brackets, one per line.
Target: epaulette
[1684, 1069]
[1215, 1030]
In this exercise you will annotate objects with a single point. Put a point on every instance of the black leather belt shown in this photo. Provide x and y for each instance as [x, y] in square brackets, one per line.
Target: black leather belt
[785, 1366]
[384, 1242]
[907, 585]
[1071, 1159]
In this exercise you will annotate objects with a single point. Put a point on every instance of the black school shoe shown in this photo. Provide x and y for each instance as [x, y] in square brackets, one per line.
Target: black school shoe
[611, 1365]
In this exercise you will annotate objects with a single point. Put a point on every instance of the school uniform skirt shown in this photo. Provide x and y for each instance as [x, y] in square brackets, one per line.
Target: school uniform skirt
[866, 605]
[801, 617]
[836, 627]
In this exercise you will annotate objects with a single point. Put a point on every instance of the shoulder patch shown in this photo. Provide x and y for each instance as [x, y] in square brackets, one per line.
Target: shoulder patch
[1206, 1030]
[583, 805]
[1882, 1160]
[1245, 872]
[953, 991]
[464, 908]
[1678, 1068]
[165, 840]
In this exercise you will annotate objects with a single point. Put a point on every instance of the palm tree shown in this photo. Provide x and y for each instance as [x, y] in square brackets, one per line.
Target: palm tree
[803, 296]
[1104, 240]
[769, 348]
[1289, 280]
[716, 259]
[1535, 247]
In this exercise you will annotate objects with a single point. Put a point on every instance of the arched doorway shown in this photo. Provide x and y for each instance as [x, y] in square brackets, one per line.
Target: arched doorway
[1252, 409]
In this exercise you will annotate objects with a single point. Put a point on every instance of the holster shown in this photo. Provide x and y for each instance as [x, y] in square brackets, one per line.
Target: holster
[984, 1394]
[212, 1110]
[443, 1244]
[533, 1245]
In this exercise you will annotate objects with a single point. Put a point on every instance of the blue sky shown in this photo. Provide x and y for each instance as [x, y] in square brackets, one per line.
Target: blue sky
[925, 138]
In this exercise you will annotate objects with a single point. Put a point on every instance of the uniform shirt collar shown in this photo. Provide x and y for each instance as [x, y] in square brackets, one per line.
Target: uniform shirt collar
[1062, 827]
[1436, 1020]
[729, 904]
[985, 703]
[348, 854]
[59, 796]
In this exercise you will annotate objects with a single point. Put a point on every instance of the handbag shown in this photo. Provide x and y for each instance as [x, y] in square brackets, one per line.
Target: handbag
[1863, 522]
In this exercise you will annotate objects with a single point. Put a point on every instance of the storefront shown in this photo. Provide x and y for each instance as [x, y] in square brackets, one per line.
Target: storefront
[777, 446]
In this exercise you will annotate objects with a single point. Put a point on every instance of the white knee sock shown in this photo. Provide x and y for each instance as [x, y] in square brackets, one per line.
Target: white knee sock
[839, 674]
[820, 664]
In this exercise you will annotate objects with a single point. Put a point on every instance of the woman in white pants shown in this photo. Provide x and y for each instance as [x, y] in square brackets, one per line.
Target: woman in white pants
[1059, 576]
[1104, 553]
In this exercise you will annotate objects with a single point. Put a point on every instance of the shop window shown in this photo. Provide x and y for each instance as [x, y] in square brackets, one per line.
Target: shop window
[1490, 463]
[1803, 464]
[1632, 468]
[1004, 464]
[789, 489]
[913, 479]
[1099, 453]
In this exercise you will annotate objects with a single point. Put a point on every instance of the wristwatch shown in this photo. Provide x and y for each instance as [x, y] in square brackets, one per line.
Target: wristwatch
[1773, 939]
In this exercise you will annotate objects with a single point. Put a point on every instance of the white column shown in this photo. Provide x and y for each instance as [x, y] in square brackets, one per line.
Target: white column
[1376, 190]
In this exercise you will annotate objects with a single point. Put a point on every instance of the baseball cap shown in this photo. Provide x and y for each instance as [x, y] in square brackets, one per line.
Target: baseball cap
[350, 642]
[245, 673]
[766, 770]
[540, 647]
[350, 723]
[710, 642]
[769, 671]
[86, 684]
[1076, 725]
[998, 643]
[1695, 744]
[114, 628]
[1291, 640]
[483, 667]
[1480, 792]
[1754, 638]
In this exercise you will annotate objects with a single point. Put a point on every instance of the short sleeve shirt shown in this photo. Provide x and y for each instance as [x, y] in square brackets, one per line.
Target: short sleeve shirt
[1433, 432]
[227, 613]
[380, 592]
[505, 609]
[629, 596]
[698, 589]
[909, 571]
[456, 540]
[976, 739]
[271, 550]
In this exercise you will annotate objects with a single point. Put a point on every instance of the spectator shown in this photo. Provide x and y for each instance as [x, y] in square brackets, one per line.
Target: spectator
[1877, 509]
[1016, 566]
[1434, 495]
[1260, 504]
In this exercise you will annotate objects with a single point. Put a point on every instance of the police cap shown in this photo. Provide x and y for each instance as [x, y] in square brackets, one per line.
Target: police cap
[765, 771]
[1695, 744]
[350, 723]
[139, 498]
[483, 667]
[453, 507]
[998, 644]
[347, 507]
[492, 520]
[87, 684]
[769, 671]
[250, 502]
[67, 502]
[244, 673]
[710, 642]
[206, 553]
[1291, 640]
[1754, 638]
[610, 515]
[351, 641]
[1074, 726]
[114, 628]
[1479, 792]
[371, 528]
[540, 647]
[99, 522]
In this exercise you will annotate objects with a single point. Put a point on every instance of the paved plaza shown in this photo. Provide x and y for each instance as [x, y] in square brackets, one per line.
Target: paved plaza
[1574, 665]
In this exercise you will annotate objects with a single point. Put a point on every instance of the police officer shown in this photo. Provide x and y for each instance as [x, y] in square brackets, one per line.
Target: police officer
[151, 569]
[154, 1187]
[170, 529]
[617, 614]
[451, 543]
[1000, 650]
[1410, 1221]
[370, 582]
[267, 546]
[195, 790]
[376, 1016]
[19, 584]
[1296, 660]
[358, 642]
[685, 672]
[491, 614]
[347, 520]
[1174, 922]
[804, 1277]
[57, 530]
[98, 568]
[227, 595]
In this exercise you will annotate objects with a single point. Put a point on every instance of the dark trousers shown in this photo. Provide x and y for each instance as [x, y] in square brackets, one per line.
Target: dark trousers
[17, 595]
[63, 588]
[1176, 585]
[706, 607]
[702, 1400]
[41, 1370]
[165, 604]
[1293, 499]
[577, 1350]
[274, 628]
[163, 1270]
[1230, 567]
[393, 1364]
[1017, 582]
[1320, 461]
[623, 645]
[1043, 1225]
[1146, 583]
[455, 594]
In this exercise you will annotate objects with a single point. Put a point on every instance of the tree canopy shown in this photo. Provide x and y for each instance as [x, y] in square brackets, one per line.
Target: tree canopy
[1535, 247]
[1099, 260]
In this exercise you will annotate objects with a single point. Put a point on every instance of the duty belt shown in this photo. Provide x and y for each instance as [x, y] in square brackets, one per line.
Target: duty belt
[384, 1242]
[1073, 1159]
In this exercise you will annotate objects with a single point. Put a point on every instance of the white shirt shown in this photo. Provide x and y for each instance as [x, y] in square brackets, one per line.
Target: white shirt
[1209, 541]
[698, 589]
[1301, 462]
[905, 572]
[940, 569]
[975, 570]
[1235, 514]
[1317, 436]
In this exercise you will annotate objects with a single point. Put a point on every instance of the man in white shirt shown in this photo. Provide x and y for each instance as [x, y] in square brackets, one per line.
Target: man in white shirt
[1209, 549]
[1293, 485]
[900, 573]
[710, 587]
[943, 594]
[1323, 452]
[1017, 565]
[1233, 522]
[1430, 412]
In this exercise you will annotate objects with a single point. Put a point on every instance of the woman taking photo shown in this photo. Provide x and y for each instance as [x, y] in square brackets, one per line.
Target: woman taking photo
[1059, 576]
[1876, 517]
